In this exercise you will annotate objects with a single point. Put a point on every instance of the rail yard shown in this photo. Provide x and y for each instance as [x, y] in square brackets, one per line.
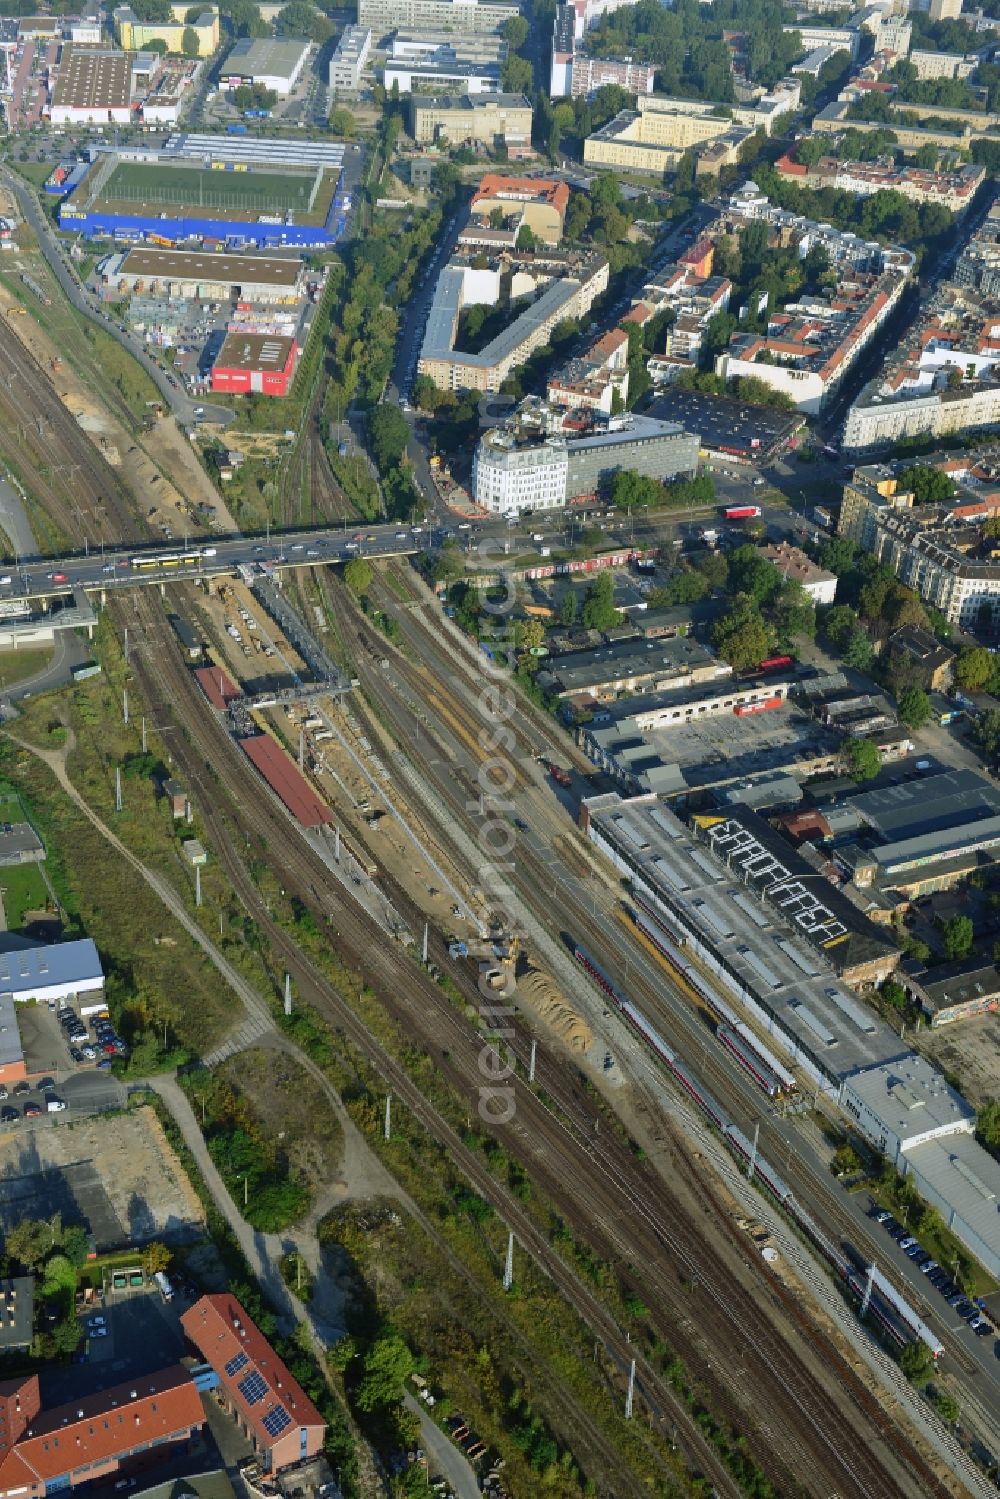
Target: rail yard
[706, 1290]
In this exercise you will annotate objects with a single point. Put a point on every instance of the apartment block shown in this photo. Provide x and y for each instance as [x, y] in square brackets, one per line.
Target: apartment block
[384, 16]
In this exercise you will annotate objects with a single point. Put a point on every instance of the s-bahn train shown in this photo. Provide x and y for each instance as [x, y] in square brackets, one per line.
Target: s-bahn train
[890, 1315]
[737, 1037]
[695, 1090]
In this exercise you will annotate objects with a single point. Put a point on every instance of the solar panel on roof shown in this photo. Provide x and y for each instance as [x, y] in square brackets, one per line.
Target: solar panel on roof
[236, 1364]
[253, 1388]
[276, 1420]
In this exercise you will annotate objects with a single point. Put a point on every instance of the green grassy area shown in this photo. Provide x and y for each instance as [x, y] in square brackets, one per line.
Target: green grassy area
[35, 172]
[23, 889]
[117, 365]
[18, 666]
[133, 185]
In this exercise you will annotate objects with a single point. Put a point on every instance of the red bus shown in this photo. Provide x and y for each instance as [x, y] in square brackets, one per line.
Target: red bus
[742, 512]
[774, 663]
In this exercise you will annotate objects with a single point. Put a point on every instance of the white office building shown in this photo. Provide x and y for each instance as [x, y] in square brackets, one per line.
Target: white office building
[349, 59]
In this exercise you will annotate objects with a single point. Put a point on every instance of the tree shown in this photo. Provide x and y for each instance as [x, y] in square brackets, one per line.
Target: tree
[516, 74]
[155, 1259]
[809, 150]
[388, 433]
[858, 652]
[342, 121]
[530, 634]
[838, 555]
[917, 1363]
[988, 1123]
[599, 612]
[190, 45]
[75, 1244]
[687, 586]
[357, 576]
[632, 491]
[914, 708]
[837, 624]
[295, 18]
[515, 32]
[714, 569]
[948, 1407]
[568, 608]
[893, 994]
[741, 637]
[387, 1363]
[974, 668]
[846, 1161]
[29, 1241]
[861, 759]
[929, 485]
[752, 574]
[986, 732]
[956, 937]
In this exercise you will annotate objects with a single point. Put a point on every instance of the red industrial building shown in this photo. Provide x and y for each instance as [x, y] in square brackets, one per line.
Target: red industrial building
[269, 1404]
[128, 1426]
[255, 364]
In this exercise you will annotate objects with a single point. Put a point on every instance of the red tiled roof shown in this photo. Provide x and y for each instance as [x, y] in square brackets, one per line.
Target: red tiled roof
[286, 779]
[99, 1428]
[789, 168]
[539, 189]
[223, 1334]
[640, 313]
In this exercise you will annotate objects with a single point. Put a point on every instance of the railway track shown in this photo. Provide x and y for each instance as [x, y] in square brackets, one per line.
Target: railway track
[172, 695]
[90, 483]
[443, 776]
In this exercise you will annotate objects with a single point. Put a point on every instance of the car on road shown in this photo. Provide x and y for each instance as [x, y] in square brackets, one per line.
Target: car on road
[58, 577]
[98, 1332]
[97, 1321]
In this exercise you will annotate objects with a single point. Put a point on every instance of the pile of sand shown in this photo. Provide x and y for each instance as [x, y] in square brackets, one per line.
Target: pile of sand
[542, 993]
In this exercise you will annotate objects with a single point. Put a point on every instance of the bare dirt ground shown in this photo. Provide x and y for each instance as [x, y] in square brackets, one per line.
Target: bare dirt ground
[120, 1168]
[291, 1109]
[245, 659]
[969, 1049]
[161, 452]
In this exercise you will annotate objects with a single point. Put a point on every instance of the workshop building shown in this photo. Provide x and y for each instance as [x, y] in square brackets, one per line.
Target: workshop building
[92, 88]
[274, 64]
[255, 364]
[262, 1395]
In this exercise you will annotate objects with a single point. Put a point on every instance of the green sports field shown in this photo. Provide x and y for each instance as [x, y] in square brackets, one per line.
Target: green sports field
[191, 189]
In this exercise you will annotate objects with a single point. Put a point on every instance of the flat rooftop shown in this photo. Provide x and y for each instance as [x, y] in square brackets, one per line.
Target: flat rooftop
[93, 80]
[184, 265]
[813, 1013]
[912, 1098]
[11, 1051]
[254, 351]
[577, 670]
[928, 804]
[272, 151]
[965, 1177]
[724, 423]
[29, 969]
[716, 749]
[265, 56]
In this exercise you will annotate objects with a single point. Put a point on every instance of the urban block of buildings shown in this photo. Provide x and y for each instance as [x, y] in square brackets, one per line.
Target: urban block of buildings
[940, 550]
[944, 374]
[461, 16]
[655, 135]
[482, 120]
[117, 1430]
[596, 380]
[523, 202]
[563, 286]
[788, 947]
[694, 295]
[418, 62]
[349, 60]
[133, 35]
[541, 460]
[809, 346]
[273, 63]
[953, 190]
[574, 73]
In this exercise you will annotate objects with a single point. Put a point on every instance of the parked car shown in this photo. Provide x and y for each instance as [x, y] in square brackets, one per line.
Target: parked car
[9, 1115]
[20, 1089]
[32, 1110]
[3, 1092]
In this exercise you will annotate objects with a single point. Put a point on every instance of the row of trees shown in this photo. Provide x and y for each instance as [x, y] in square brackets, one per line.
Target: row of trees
[632, 491]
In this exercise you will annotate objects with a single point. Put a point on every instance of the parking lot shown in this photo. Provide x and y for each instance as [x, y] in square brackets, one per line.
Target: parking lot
[971, 1310]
